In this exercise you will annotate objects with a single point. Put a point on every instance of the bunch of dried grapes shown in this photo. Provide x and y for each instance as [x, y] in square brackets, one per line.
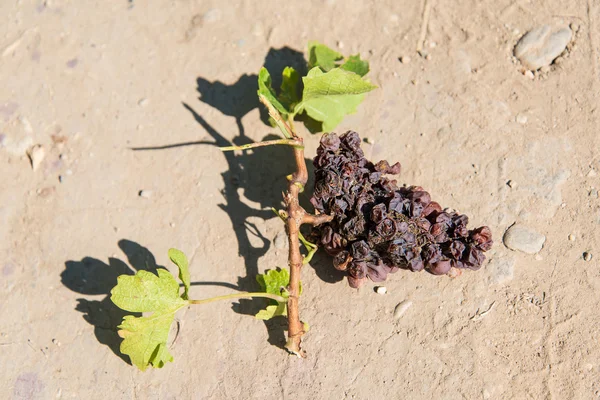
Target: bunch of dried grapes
[379, 227]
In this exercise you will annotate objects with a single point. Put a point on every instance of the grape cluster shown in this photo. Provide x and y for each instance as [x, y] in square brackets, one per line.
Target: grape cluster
[379, 227]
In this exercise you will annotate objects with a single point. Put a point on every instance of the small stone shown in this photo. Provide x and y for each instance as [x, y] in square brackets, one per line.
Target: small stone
[521, 119]
[511, 184]
[401, 308]
[572, 237]
[381, 290]
[36, 156]
[405, 59]
[145, 193]
[540, 46]
[528, 74]
[428, 57]
[593, 193]
[369, 140]
[172, 224]
[432, 45]
[587, 256]
[56, 342]
[280, 240]
[522, 238]
[143, 102]
[592, 173]
[61, 178]
[340, 44]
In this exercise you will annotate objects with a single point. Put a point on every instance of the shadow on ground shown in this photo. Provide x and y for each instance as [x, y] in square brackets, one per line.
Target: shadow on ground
[91, 276]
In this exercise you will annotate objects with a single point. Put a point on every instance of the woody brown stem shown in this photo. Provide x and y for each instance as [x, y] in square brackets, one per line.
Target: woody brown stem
[296, 216]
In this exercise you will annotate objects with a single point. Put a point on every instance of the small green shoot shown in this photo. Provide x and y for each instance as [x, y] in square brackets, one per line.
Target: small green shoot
[275, 281]
[332, 89]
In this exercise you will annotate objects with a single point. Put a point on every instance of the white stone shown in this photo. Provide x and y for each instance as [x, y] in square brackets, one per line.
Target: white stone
[36, 156]
[522, 238]
[401, 308]
[540, 46]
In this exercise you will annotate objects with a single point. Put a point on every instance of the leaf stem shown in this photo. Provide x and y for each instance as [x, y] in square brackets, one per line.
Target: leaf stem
[288, 142]
[287, 131]
[278, 299]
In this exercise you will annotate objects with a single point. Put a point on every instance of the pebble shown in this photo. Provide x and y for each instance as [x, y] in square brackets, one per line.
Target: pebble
[36, 156]
[522, 238]
[592, 173]
[521, 119]
[593, 193]
[529, 74]
[56, 342]
[280, 240]
[405, 59]
[511, 184]
[145, 193]
[381, 290]
[401, 308]
[572, 237]
[540, 46]
[143, 102]
[587, 256]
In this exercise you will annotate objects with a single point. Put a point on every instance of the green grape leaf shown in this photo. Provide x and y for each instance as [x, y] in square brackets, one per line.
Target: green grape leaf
[329, 97]
[145, 338]
[275, 281]
[322, 56]
[265, 88]
[145, 291]
[356, 65]
[179, 259]
[272, 311]
[289, 87]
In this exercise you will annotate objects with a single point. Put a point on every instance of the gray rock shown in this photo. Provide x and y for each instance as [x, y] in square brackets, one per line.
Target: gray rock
[521, 238]
[540, 46]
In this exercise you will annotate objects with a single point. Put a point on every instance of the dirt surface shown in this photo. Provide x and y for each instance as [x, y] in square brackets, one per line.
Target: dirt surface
[91, 81]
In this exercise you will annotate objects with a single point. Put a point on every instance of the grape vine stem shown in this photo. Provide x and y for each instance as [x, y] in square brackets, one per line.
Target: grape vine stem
[296, 216]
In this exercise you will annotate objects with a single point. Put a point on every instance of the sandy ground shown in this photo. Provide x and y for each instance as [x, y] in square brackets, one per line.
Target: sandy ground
[90, 80]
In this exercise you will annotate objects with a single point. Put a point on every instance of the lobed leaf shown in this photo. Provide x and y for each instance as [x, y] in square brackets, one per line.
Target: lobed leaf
[265, 88]
[330, 96]
[145, 338]
[178, 258]
[274, 281]
[289, 87]
[145, 292]
[322, 56]
[356, 65]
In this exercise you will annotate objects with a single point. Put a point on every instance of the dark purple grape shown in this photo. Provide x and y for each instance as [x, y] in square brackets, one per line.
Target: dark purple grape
[379, 227]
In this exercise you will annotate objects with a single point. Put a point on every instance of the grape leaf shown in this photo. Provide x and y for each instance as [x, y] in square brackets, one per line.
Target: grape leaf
[179, 259]
[275, 281]
[289, 87]
[272, 311]
[330, 96]
[145, 338]
[322, 56]
[145, 291]
[356, 65]
[265, 88]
